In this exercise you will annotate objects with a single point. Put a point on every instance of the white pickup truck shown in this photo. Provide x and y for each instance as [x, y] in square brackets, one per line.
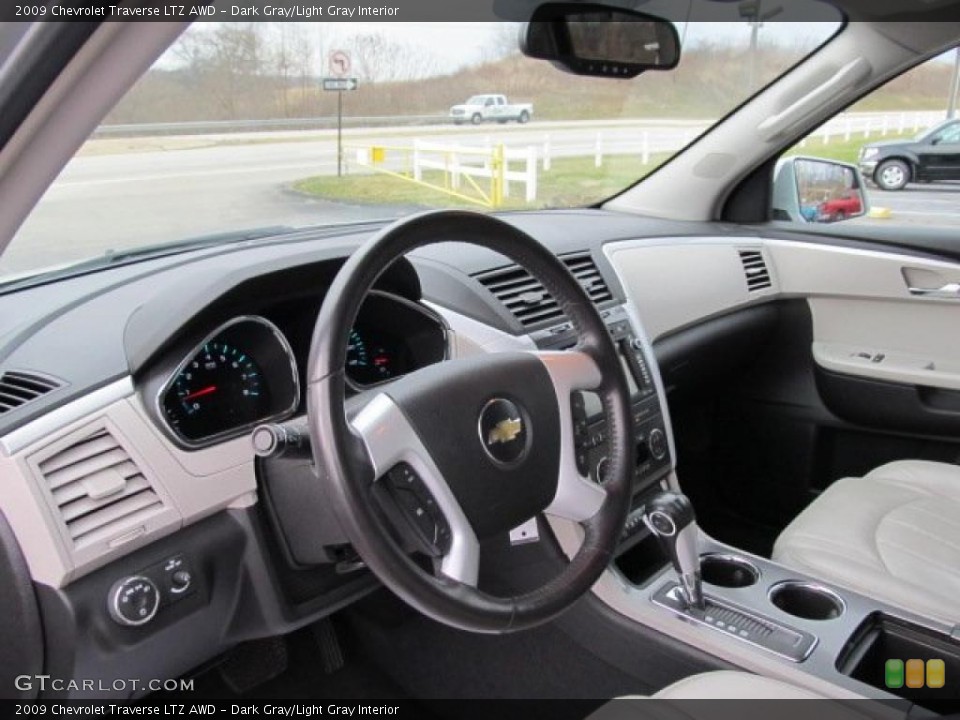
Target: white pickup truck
[483, 108]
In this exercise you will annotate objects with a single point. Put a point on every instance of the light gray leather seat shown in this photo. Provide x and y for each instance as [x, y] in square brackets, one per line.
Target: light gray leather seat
[732, 685]
[893, 534]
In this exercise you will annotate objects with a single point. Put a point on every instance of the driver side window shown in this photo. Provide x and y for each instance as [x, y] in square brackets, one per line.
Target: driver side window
[892, 158]
[950, 135]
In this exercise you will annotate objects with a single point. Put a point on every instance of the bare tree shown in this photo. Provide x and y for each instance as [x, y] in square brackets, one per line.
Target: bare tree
[377, 58]
[504, 41]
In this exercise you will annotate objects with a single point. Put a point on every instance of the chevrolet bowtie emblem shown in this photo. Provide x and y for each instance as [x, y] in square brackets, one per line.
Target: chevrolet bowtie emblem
[505, 431]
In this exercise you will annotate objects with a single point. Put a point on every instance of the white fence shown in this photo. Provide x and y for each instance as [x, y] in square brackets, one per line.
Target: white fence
[645, 141]
[519, 155]
[477, 161]
[459, 166]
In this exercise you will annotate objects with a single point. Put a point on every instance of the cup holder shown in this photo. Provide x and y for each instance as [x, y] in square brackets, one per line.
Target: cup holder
[806, 600]
[728, 571]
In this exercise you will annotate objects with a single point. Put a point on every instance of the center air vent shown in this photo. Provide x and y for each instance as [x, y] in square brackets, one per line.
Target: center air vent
[98, 489]
[755, 269]
[527, 299]
[18, 388]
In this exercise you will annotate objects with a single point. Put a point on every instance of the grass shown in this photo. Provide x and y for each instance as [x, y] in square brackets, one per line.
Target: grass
[569, 182]
[840, 149]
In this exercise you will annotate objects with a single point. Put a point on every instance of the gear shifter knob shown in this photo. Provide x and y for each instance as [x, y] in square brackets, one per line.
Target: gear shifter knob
[671, 518]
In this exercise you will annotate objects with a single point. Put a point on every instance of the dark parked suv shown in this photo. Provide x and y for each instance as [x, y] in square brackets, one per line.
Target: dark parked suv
[932, 155]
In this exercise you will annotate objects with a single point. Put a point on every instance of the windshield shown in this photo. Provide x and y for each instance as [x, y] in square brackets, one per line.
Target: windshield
[236, 128]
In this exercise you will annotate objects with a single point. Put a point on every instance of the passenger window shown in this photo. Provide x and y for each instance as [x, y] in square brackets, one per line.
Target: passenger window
[892, 158]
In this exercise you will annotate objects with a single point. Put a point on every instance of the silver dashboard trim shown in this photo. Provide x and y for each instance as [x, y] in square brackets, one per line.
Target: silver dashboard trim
[675, 593]
[814, 587]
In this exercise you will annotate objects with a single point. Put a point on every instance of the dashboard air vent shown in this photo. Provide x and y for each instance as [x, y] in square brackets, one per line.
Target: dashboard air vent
[585, 270]
[18, 388]
[755, 269]
[530, 302]
[98, 489]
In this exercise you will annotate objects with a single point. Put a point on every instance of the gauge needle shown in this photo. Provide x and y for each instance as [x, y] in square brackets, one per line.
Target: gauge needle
[201, 393]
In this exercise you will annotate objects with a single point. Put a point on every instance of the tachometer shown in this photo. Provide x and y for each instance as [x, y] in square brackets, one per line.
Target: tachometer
[368, 364]
[392, 336]
[356, 353]
[240, 375]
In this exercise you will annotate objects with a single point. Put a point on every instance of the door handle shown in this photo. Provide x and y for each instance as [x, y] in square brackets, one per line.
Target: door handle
[950, 291]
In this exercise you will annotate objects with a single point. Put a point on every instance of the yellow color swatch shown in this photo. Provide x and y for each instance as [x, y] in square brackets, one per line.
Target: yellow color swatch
[936, 673]
[915, 673]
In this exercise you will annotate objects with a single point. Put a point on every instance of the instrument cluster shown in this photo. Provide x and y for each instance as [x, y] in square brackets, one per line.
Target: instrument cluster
[249, 369]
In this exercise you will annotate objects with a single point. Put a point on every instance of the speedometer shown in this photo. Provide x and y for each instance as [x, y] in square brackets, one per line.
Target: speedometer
[240, 375]
[220, 387]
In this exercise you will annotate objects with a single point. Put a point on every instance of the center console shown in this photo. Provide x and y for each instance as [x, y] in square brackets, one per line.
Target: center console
[774, 620]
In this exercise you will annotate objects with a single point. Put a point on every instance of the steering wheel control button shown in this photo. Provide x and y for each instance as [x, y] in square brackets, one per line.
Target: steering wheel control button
[133, 601]
[503, 431]
[429, 530]
[601, 471]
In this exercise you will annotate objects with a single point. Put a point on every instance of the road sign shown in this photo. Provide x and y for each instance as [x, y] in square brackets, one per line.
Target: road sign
[339, 62]
[340, 84]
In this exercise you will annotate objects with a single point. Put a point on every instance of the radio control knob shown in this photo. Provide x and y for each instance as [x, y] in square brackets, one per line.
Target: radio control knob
[133, 601]
[657, 443]
[636, 344]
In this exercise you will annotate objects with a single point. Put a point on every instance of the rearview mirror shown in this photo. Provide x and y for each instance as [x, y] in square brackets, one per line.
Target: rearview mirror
[589, 39]
[813, 190]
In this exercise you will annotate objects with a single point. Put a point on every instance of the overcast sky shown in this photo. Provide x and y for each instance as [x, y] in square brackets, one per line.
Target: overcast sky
[460, 44]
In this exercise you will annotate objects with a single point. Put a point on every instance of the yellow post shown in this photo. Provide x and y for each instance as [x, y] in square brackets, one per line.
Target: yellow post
[496, 181]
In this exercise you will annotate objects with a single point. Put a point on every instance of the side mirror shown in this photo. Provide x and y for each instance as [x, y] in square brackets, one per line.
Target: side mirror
[591, 39]
[812, 190]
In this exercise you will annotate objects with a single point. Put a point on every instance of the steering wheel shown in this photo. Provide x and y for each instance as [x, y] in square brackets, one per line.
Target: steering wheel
[457, 452]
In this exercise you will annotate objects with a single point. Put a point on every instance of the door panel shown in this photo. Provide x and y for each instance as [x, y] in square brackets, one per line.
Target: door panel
[815, 405]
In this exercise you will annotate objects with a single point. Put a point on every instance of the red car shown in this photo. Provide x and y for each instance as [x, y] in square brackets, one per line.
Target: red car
[840, 208]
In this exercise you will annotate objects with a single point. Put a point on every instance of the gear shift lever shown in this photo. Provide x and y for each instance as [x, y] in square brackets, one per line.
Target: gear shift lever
[670, 517]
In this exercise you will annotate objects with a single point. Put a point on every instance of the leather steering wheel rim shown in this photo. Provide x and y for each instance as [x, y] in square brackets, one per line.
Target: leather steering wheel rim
[343, 459]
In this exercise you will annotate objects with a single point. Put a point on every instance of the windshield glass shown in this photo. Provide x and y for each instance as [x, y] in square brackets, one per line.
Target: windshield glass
[236, 128]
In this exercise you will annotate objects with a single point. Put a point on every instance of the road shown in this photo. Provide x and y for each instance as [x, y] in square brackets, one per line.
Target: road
[173, 188]
[928, 204]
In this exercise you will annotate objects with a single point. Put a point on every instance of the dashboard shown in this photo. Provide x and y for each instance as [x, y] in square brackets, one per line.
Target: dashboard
[181, 356]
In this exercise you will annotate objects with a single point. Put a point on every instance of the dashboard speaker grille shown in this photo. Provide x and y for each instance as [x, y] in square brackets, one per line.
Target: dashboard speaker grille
[755, 269]
[98, 489]
[19, 387]
[527, 299]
